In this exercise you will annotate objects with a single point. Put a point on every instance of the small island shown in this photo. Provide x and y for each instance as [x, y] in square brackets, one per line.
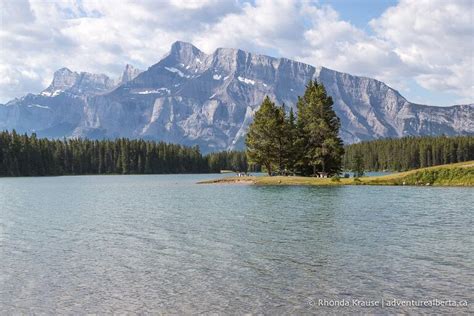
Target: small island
[458, 174]
[305, 149]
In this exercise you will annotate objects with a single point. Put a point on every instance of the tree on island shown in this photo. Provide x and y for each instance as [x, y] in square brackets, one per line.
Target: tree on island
[305, 145]
[291, 136]
[265, 138]
[321, 149]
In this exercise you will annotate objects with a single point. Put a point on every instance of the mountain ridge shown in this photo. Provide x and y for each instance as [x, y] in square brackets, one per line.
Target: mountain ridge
[194, 98]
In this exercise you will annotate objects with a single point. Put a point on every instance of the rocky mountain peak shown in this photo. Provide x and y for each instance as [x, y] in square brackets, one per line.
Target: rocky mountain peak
[129, 73]
[185, 52]
[63, 72]
[193, 98]
[92, 83]
[65, 79]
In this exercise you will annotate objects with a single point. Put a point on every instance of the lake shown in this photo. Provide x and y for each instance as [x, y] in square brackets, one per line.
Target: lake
[162, 243]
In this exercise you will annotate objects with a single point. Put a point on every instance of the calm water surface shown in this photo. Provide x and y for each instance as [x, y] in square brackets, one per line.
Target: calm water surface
[141, 244]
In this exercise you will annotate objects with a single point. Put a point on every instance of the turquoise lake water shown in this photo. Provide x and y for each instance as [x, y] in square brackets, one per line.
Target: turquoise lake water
[163, 244]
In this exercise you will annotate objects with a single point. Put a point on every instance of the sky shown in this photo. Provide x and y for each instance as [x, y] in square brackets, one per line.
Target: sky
[422, 48]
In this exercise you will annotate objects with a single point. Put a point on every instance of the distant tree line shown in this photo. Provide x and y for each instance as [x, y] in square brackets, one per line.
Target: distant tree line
[409, 152]
[230, 161]
[304, 144]
[28, 155]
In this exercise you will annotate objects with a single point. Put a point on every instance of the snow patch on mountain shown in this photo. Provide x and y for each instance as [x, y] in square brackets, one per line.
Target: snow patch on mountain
[177, 71]
[51, 93]
[246, 80]
[214, 106]
[153, 91]
[39, 106]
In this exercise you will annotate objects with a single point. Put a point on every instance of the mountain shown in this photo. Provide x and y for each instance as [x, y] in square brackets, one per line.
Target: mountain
[194, 98]
[129, 74]
[78, 83]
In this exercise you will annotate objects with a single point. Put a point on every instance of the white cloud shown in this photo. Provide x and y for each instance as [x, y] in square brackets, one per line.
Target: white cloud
[435, 39]
[337, 44]
[37, 37]
[193, 4]
[267, 26]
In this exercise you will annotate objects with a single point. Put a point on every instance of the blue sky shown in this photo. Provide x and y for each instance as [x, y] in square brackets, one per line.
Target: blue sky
[359, 12]
[422, 48]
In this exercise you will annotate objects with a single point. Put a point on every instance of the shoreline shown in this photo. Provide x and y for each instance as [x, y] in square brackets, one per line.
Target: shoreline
[230, 180]
[451, 175]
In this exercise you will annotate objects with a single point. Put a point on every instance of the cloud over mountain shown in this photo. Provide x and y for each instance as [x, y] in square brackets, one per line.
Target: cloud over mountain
[193, 98]
[406, 47]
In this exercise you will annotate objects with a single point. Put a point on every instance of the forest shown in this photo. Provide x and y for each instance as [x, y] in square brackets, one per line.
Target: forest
[28, 155]
[407, 153]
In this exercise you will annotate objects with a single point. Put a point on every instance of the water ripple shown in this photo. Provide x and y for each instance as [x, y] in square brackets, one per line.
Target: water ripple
[161, 244]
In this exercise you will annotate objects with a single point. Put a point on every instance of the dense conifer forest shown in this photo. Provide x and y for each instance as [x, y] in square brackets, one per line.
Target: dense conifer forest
[23, 155]
[409, 152]
[27, 155]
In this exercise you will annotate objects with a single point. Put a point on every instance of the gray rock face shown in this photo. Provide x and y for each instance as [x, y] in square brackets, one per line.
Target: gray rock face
[193, 98]
[129, 74]
[83, 83]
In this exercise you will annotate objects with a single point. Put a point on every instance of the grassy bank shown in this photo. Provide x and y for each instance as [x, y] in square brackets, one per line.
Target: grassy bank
[459, 174]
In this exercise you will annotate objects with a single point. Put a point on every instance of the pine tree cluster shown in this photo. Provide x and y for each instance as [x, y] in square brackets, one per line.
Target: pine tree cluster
[305, 144]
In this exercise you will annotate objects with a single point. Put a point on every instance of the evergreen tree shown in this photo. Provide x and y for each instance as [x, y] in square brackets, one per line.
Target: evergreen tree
[320, 148]
[124, 157]
[265, 137]
[290, 148]
[358, 165]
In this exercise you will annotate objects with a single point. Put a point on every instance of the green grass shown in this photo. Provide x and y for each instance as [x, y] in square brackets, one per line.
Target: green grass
[458, 174]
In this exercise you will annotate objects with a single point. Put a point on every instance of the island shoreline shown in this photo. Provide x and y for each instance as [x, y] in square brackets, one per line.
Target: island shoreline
[450, 175]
